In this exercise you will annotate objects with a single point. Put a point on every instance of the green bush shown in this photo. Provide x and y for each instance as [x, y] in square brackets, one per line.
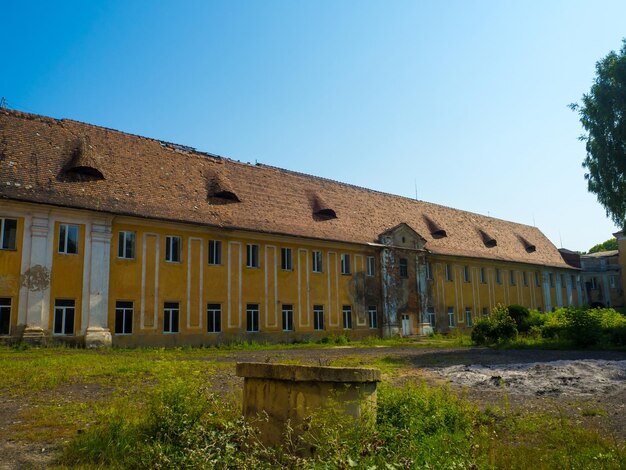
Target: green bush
[521, 315]
[500, 327]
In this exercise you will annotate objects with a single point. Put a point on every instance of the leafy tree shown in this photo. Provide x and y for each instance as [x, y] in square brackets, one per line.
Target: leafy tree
[603, 116]
[608, 245]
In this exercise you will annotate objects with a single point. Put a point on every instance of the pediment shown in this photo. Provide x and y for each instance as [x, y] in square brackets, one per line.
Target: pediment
[403, 236]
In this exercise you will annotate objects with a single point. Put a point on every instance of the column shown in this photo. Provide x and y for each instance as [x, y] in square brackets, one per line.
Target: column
[35, 279]
[559, 291]
[98, 333]
[547, 300]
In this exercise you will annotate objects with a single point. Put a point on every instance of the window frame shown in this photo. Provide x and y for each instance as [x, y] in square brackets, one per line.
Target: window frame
[372, 316]
[346, 313]
[252, 256]
[469, 320]
[286, 259]
[483, 276]
[6, 304]
[317, 261]
[537, 279]
[551, 278]
[498, 276]
[432, 316]
[122, 307]
[64, 309]
[525, 278]
[449, 273]
[252, 318]
[346, 269]
[287, 317]
[451, 318]
[512, 280]
[371, 266]
[318, 317]
[403, 265]
[169, 309]
[169, 249]
[122, 246]
[63, 245]
[213, 312]
[215, 253]
[467, 275]
[4, 236]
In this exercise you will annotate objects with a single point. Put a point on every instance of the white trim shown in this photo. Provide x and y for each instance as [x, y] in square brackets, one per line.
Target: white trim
[190, 241]
[86, 279]
[144, 250]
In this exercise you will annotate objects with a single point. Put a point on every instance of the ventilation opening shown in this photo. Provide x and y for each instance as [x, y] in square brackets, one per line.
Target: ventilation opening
[528, 246]
[488, 240]
[321, 210]
[84, 164]
[434, 228]
[220, 190]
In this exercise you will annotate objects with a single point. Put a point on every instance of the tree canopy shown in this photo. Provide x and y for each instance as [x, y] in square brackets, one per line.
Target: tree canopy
[603, 116]
[610, 244]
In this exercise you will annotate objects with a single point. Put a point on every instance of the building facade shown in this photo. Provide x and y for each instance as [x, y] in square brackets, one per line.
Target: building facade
[107, 236]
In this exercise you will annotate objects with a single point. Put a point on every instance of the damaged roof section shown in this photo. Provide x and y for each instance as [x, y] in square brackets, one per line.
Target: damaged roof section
[435, 229]
[321, 210]
[487, 239]
[528, 246]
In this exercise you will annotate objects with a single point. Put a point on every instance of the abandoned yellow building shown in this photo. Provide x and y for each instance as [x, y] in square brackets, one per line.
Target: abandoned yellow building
[111, 237]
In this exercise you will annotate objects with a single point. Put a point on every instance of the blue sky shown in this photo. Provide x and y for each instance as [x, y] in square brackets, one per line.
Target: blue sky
[465, 100]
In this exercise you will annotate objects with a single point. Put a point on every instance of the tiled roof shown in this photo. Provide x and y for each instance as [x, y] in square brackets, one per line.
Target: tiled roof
[153, 179]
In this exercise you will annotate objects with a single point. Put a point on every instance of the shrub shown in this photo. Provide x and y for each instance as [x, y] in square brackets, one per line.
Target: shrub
[500, 327]
[521, 315]
[584, 326]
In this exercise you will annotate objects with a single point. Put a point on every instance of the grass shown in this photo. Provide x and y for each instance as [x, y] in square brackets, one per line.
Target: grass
[164, 408]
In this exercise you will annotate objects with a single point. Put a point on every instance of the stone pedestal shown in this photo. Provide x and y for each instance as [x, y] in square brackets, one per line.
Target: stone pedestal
[34, 335]
[97, 337]
[289, 394]
[425, 329]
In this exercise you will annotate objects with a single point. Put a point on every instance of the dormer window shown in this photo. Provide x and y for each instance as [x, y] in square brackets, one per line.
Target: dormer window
[528, 246]
[487, 239]
[434, 228]
[321, 210]
[84, 164]
[220, 190]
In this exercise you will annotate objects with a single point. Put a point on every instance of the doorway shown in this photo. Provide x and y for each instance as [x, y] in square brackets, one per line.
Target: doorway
[406, 325]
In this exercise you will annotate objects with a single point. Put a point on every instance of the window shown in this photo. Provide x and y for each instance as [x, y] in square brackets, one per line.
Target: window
[613, 281]
[345, 264]
[123, 318]
[68, 239]
[252, 317]
[525, 278]
[466, 273]
[126, 245]
[537, 280]
[498, 276]
[373, 316]
[404, 268]
[286, 263]
[430, 315]
[429, 271]
[287, 317]
[551, 280]
[573, 279]
[593, 283]
[64, 312]
[171, 316]
[317, 261]
[252, 259]
[451, 317]
[318, 317]
[215, 252]
[214, 318]
[562, 281]
[347, 317]
[483, 276]
[468, 317]
[485, 311]
[8, 234]
[371, 266]
[5, 316]
[512, 277]
[448, 272]
[172, 249]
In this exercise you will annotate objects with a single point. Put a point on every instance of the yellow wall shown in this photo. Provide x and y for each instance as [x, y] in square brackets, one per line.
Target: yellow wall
[66, 277]
[10, 269]
[268, 285]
